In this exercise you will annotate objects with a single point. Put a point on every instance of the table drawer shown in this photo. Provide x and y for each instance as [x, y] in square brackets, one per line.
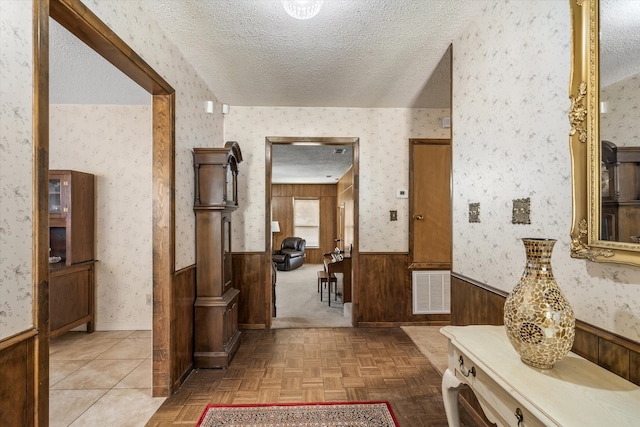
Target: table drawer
[498, 404]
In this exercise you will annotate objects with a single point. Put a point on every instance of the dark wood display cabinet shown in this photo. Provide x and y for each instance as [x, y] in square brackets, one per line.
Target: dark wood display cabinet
[72, 250]
[216, 332]
[620, 193]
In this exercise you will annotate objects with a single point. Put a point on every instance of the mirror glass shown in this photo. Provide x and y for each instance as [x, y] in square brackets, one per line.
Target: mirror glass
[619, 105]
[605, 130]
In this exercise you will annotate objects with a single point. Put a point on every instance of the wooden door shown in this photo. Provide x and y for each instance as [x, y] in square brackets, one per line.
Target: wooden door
[430, 203]
[340, 228]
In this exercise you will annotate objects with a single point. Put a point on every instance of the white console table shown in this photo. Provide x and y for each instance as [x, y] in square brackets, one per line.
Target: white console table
[575, 392]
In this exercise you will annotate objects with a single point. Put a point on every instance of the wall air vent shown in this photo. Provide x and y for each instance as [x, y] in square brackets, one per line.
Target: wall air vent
[431, 292]
[339, 151]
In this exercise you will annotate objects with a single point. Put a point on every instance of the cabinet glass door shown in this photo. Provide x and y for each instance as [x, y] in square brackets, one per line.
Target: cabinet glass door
[55, 196]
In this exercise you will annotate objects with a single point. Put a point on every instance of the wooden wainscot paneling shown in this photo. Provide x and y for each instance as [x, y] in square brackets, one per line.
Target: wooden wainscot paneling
[617, 354]
[384, 292]
[183, 298]
[249, 277]
[475, 303]
[17, 358]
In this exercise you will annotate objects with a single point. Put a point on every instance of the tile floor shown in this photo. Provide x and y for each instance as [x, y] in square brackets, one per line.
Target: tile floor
[101, 379]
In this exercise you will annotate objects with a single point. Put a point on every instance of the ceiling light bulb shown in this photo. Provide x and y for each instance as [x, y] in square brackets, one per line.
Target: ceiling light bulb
[302, 9]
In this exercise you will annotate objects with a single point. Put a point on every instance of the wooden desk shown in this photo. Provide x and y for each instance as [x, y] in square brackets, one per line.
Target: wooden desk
[575, 392]
[331, 265]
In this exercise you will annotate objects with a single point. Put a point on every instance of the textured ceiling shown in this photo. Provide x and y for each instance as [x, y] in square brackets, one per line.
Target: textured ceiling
[355, 53]
[619, 40]
[309, 164]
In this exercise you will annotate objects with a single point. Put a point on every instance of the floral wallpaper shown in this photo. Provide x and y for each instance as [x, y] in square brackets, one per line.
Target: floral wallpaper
[113, 142]
[194, 127]
[384, 155]
[510, 135]
[620, 124]
[16, 201]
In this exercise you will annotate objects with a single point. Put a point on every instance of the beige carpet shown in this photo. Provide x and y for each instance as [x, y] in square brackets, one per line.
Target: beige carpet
[298, 302]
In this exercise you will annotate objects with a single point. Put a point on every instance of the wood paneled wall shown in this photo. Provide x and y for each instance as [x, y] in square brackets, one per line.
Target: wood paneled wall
[250, 278]
[282, 196]
[345, 199]
[183, 297]
[384, 292]
[383, 296]
[476, 303]
[17, 359]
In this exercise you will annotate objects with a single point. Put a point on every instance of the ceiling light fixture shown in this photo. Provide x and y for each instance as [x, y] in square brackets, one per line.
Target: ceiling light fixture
[302, 9]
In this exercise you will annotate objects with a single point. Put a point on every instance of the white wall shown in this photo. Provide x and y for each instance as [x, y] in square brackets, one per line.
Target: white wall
[510, 135]
[384, 151]
[113, 142]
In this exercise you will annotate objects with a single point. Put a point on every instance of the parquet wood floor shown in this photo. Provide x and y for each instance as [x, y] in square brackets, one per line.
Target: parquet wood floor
[318, 365]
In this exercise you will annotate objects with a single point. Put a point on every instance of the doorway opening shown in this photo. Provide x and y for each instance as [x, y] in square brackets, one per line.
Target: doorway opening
[329, 185]
[98, 36]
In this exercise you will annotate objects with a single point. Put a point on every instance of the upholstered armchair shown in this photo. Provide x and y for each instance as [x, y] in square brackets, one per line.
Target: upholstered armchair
[291, 254]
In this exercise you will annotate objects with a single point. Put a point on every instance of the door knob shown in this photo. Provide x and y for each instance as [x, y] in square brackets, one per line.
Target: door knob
[419, 217]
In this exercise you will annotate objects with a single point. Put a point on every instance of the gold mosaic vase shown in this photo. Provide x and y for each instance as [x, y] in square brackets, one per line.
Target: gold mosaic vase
[537, 317]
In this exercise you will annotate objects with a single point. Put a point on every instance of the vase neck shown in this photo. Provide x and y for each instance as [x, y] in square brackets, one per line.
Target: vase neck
[539, 251]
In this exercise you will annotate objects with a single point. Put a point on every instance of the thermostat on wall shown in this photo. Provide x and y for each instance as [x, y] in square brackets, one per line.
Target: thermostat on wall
[402, 194]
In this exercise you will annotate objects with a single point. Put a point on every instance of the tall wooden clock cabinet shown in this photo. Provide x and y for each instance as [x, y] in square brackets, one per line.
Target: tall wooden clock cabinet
[216, 333]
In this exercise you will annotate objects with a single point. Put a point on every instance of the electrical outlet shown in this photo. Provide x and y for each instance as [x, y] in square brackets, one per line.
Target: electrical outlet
[393, 215]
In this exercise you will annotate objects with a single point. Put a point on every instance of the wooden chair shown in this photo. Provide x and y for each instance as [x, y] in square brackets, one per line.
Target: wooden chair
[323, 279]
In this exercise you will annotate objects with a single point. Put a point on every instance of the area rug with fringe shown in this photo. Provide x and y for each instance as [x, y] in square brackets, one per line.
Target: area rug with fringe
[325, 414]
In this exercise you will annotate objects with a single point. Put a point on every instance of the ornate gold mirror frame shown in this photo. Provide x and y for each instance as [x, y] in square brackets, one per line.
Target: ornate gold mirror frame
[584, 117]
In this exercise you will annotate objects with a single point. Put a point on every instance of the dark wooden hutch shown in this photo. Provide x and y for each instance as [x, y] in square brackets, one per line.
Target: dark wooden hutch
[216, 333]
[72, 247]
[620, 192]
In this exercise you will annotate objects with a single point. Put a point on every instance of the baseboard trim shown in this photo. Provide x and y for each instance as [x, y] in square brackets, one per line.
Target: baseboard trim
[399, 324]
[115, 326]
[252, 326]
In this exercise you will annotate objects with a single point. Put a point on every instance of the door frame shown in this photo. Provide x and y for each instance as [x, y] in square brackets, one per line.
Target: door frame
[354, 142]
[84, 24]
